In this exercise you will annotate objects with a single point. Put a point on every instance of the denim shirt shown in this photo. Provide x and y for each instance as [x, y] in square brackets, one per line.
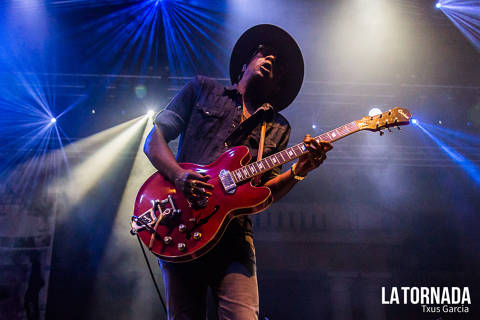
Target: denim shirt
[205, 113]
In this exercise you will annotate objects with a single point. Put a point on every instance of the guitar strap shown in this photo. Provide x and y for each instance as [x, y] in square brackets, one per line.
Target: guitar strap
[262, 141]
[263, 114]
[256, 180]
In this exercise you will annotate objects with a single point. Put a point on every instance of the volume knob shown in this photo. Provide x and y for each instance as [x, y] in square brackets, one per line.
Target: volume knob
[167, 239]
[182, 228]
[181, 246]
[197, 235]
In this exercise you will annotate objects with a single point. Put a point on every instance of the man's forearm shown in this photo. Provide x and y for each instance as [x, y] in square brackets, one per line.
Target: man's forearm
[160, 155]
[281, 184]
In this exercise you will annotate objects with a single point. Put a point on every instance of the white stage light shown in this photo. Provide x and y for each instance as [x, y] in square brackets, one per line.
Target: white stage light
[374, 112]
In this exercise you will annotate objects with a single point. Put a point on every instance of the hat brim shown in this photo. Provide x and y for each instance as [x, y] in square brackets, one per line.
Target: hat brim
[288, 51]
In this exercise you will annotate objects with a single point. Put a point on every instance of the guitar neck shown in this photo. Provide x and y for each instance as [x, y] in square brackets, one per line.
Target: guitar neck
[253, 169]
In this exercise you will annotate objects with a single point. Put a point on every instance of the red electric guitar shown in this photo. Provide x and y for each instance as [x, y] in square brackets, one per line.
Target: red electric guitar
[175, 230]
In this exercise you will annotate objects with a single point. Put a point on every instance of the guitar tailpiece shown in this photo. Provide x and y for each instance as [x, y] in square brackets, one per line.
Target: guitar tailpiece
[148, 219]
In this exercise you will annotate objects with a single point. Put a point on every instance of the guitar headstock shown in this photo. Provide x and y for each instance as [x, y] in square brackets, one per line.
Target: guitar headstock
[392, 118]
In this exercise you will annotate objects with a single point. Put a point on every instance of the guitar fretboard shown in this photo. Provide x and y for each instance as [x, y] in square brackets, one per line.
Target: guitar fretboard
[289, 154]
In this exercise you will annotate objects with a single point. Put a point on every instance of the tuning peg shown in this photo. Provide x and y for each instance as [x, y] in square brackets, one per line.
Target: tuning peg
[381, 132]
[395, 123]
[389, 130]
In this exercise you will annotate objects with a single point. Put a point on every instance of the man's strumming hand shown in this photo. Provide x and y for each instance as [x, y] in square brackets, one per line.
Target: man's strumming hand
[193, 185]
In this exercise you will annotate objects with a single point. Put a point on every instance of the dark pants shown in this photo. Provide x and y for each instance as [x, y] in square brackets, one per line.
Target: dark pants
[228, 269]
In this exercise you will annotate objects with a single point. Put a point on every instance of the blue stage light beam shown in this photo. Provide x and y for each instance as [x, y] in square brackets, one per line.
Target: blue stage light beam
[465, 15]
[191, 31]
[28, 124]
[457, 137]
[130, 36]
[126, 38]
[28, 99]
[468, 166]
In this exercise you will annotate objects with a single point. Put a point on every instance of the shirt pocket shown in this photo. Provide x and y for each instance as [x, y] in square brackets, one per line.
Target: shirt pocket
[207, 121]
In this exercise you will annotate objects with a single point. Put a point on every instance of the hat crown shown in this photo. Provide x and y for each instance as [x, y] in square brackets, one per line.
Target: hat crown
[272, 38]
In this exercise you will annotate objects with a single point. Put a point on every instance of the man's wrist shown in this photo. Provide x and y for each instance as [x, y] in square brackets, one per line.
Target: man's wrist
[294, 174]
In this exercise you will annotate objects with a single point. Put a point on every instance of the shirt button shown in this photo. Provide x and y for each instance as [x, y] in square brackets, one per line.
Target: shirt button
[233, 125]
[226, 144]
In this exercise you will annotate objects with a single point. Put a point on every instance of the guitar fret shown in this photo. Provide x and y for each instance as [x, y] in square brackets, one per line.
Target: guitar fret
[260, 165]
[322, 137]
[287, 154]
[298, 148]
[268, 164]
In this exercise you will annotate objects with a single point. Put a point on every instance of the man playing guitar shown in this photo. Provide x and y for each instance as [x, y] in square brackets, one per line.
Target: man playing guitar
[266, 70]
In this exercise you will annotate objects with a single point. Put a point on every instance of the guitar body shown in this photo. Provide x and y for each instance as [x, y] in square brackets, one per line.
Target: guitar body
[193, 231]
[176, 230]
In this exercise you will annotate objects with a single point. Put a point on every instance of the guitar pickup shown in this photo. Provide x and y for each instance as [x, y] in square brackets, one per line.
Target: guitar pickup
[227, 181]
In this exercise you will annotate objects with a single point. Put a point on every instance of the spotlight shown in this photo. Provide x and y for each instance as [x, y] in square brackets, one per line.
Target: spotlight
[53, 120]
[414, 121]
[438, 5]
[374, 112]
[314, 126]
[150, 113]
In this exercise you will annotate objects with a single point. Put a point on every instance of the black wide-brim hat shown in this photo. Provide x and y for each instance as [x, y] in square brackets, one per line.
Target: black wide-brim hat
[290, 57]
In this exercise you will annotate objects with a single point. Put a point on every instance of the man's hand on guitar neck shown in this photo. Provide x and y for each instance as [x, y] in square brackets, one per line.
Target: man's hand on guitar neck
[315, 157]
[283, 183]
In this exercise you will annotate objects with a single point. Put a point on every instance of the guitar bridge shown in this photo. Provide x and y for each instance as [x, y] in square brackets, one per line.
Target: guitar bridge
[148, 220]
[227, 181]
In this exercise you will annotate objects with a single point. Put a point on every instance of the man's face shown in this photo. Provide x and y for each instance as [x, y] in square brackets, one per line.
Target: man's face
[261, 72]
